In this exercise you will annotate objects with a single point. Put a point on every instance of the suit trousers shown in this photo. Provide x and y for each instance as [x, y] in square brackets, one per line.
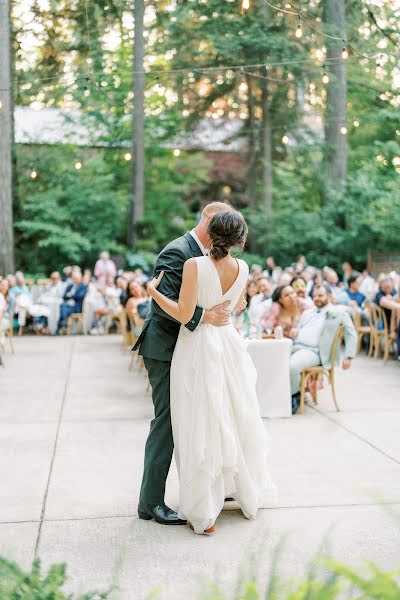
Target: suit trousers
[302, 357]
[159, 445]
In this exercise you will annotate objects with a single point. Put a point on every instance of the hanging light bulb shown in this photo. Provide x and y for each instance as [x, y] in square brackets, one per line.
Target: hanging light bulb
[177, 152]
[78, 166]
[33, 174]
[356, 123]
[1, 105]
[325, 77]
[343, 130]
[345, 54]
[285, 139]
[299, 31]
[245, 5]
[128, 156]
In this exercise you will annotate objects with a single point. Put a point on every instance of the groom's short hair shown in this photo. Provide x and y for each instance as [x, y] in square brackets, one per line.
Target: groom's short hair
[215, 207]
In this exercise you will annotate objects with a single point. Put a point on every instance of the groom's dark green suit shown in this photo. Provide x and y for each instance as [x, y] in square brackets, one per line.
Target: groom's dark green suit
[156, 344]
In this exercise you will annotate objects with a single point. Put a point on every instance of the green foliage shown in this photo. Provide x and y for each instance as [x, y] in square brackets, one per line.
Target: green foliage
[16, 584]
[335, 581]
[66, 215]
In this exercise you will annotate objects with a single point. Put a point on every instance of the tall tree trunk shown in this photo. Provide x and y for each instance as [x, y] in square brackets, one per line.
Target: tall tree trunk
[252, 160]
[335, 153]
[266, 152]
[266, 136]
[6, 142]
[137, 175]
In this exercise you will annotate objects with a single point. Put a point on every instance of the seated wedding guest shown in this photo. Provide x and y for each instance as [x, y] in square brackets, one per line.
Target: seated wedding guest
[316, 281]
[122, 284]
[313, 338]
[251, 290]
[272, 271]
[388, 299]
[300, 264]
[25, 307]
[255, 271]
[285, 278]
[87, 277]
[73, 298]
[353, 290]
[110, 307]
[339, 296]
[369, 286]
[67, 271]
[136, 296]
[104, 266]
[4, 310]
[264, 289]
[300, 287]
[259, 303]
[52, 297]
[347, 272]
[19, 286]
[285, 310]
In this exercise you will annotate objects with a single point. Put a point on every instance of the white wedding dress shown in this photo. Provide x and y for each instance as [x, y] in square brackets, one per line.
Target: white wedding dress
[220, 441]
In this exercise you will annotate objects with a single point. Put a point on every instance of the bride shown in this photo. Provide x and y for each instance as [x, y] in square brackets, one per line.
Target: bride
[219, 437]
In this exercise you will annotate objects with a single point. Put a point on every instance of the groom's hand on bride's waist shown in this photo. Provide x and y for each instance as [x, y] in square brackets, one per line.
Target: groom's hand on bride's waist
[217, 316]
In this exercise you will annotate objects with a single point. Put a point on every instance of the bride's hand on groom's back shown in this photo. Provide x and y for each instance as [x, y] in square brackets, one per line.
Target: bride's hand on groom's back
[217, 316]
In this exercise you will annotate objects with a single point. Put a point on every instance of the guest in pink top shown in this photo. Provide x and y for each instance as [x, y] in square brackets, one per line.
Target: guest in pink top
[104, 266]
[285, 310]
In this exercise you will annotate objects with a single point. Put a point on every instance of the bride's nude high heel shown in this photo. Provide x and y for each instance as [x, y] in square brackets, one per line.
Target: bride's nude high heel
[208, 531]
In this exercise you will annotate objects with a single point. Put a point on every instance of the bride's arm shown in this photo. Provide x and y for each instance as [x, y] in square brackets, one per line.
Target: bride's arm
[182, 310]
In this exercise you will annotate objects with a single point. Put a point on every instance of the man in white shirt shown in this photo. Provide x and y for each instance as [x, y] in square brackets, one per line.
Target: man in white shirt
[260, 302]
[314, 335]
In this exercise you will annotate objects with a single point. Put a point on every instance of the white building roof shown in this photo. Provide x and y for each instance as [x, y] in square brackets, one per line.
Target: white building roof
[56, 126]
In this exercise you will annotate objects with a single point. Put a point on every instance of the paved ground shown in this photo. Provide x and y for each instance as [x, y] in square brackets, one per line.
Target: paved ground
[73, 422]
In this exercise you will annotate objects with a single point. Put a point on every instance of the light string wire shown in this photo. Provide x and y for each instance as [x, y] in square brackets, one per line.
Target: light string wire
[197, 69]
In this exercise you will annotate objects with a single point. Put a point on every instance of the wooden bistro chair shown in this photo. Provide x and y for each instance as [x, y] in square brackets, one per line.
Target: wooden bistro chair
[122, 326]
[314, 373]
[10, 332]
[1, 343]
[381, 335]
[362, 330]
[78, 318]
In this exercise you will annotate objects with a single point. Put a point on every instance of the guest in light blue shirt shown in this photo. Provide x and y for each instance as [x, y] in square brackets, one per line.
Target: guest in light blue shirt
[313, 338]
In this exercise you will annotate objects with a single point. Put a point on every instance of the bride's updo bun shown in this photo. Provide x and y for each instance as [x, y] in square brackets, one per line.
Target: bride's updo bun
[226, 229]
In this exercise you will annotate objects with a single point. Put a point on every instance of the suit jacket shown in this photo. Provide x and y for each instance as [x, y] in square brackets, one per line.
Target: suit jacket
[78, 296]
[336, 316]
[160, 331]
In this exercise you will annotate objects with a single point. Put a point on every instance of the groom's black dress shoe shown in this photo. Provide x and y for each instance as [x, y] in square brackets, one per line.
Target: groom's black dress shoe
[160, 513]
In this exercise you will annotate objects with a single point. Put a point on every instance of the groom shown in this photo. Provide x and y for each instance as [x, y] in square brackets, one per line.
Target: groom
[156, 344]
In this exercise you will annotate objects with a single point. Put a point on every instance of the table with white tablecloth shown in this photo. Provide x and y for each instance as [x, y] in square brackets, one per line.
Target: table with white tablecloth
[271, 359]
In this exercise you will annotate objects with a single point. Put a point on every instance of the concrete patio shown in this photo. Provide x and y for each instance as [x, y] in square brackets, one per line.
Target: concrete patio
[73, 423]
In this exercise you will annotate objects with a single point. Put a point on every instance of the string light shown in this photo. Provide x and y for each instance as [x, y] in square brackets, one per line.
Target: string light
[128, 156]
[1, 105]
[356, 123]
[345, 54]
[78, 166]
[245, 5]
[33, 174]
[396, 161]
[343, 130]
[177, 152]
[285, 139]
[325, 77]
[299, 31]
